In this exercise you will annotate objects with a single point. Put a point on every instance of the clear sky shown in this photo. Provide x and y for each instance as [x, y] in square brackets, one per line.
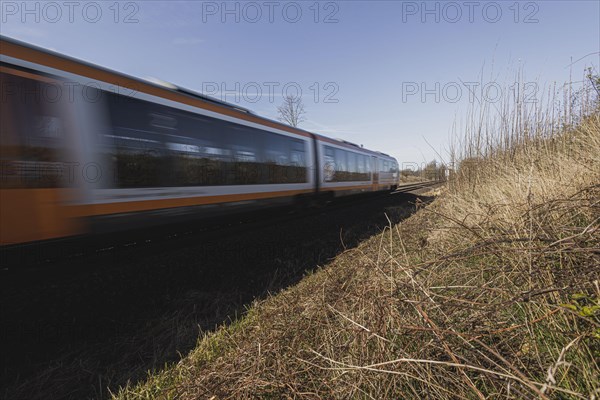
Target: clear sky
[391, 75]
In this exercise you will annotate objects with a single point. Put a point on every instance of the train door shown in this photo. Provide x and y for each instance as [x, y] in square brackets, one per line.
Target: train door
[375, 169]
[35, 158]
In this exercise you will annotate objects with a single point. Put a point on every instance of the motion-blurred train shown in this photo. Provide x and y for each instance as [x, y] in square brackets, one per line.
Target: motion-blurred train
[86, 149]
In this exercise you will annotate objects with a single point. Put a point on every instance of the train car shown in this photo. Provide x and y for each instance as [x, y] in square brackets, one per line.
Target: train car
[85, 149]
[349, 169]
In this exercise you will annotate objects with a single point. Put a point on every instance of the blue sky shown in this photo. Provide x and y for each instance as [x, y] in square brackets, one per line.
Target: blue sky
[386, 74]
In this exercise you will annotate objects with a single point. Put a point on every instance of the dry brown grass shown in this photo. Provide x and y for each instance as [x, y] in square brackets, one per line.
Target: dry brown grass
[490, 292]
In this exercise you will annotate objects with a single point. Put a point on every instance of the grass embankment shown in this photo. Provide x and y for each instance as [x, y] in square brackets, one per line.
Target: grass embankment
[490, 292]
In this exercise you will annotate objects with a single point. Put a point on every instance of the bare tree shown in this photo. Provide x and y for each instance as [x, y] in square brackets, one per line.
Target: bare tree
[292, 110]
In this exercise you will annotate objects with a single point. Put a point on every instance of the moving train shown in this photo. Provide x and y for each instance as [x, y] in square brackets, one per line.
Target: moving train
[84, 149]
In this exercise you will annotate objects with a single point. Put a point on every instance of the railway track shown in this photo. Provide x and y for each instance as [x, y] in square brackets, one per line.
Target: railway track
[410, 187]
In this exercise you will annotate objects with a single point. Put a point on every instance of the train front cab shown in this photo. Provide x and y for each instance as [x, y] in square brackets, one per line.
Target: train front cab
[388, 173]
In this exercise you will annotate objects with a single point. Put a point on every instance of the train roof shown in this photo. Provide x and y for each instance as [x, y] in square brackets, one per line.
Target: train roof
[19, 49]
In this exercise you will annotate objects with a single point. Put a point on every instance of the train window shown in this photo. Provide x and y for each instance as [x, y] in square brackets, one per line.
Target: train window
[215, 152]
[183, 148]
[352, 164]
[340, 161]
[155, 145]
[162, 121]
[345, 166]
[243, 138]
[297, 159]
[33, 130]
[362, 167]
[385, 165]
[358, 173]
[210, 165]
[296, 170]
[329, 165]
[245, 156]
[138, 145]
[298, 153]
[184, 161]
[329, 152]
[277, 149]
[298, 145]
[246, 144]
[284, 159]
